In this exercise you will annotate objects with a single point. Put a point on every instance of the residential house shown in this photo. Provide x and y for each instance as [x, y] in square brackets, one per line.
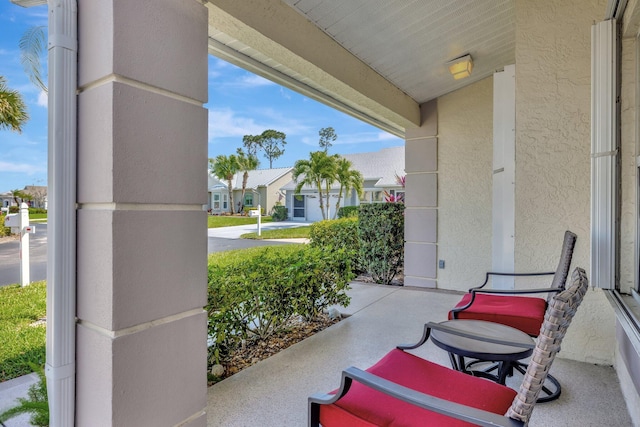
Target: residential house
[6, 199]
[37, 193]
[262, 188]
[498, 165]
[380, 171]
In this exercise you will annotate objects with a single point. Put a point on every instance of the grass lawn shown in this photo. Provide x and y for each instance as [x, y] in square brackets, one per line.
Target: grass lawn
[283, 233]
[21, 341]
[38, 217]
[214, 221]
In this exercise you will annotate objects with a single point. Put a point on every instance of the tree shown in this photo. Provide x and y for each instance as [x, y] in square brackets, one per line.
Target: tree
[224, 168]
[18, 196]
[246, 163]
[33, 45]
[252, 143]
[327, 137]
[319, 172]
[13, 111]
[349, 179]
[272, 142]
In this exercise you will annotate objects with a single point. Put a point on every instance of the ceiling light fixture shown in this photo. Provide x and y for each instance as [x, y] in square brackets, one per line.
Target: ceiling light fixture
[461, 67]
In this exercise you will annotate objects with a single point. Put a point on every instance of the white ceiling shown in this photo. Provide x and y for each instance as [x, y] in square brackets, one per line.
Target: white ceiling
[407, 42]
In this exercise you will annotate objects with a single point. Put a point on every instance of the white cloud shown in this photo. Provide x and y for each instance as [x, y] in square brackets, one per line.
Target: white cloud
[228, 123]
[384, 136]
[285, 94]
[43, 99]
[224, 123]
[21, 168]
[253, 80]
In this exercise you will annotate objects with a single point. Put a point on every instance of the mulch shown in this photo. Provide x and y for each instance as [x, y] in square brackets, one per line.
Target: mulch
[253, 351]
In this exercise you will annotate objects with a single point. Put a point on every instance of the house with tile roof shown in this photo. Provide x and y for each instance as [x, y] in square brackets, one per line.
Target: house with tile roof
[379, 170]
[263, 188]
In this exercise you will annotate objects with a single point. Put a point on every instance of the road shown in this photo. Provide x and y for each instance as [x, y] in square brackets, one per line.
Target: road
[10, 257]
[219, 239]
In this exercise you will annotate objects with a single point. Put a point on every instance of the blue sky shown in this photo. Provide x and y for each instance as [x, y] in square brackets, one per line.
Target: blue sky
[240, 103]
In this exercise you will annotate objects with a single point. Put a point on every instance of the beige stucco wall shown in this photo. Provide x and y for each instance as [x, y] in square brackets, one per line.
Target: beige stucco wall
[553, 81]
[465, 154]
[553, 172]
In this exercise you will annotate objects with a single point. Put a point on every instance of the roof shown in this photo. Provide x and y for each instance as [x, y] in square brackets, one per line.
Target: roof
[257, 178]
[381, 167]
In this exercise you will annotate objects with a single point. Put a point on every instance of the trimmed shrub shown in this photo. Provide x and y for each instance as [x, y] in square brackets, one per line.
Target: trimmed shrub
[279, 213]
[339, 234]
[381, 235]
[37, 211]
[348, 211]
[253, 293]
[4, 231]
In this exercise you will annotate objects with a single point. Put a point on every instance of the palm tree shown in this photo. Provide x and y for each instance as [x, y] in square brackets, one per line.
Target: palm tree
[319, 172]
[225, 168]
[246, 163]
[349, 179]
[13, 111]
[18, 196]
[33, 46]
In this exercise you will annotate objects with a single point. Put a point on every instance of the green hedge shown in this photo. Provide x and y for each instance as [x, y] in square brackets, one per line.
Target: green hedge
[253, 293]
[337, 233]
[348, 211]
[381, 234]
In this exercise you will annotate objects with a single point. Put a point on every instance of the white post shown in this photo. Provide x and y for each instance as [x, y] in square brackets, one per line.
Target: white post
[24, 245]
[61, 233]
[259, 220]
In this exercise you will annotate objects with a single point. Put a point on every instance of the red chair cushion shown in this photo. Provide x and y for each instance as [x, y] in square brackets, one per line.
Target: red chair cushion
[364, 407]
[524, 313]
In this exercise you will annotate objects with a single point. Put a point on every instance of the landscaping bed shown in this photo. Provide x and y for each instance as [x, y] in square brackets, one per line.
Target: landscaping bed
[253, 351]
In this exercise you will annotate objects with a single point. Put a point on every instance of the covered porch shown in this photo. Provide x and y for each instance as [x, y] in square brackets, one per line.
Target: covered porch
[498, 165]
[274, 391]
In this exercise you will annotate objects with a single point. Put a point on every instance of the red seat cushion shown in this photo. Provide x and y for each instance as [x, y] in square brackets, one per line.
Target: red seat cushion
[364, 407]
[524, 313]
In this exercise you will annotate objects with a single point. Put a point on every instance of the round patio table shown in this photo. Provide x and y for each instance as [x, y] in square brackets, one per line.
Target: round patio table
[460, 347]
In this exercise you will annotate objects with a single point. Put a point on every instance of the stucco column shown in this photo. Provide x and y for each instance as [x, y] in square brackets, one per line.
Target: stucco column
[421, 214]
[141, 230]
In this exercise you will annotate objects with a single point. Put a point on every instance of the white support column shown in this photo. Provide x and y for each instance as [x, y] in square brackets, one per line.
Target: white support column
[142, 240]
[421, 200]
[61, 233]
[504, 176]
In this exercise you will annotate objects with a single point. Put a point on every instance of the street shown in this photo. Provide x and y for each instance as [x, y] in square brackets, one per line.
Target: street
[219, 239]
[10, 257]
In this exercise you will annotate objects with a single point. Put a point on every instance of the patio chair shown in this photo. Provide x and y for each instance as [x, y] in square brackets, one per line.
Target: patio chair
[405, 390]
[509, 306]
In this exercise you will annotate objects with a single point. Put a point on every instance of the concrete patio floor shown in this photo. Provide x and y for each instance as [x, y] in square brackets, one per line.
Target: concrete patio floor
[274, 392]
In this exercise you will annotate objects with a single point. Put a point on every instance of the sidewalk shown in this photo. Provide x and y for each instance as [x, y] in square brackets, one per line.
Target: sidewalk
[10, 391]
[236, 231]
